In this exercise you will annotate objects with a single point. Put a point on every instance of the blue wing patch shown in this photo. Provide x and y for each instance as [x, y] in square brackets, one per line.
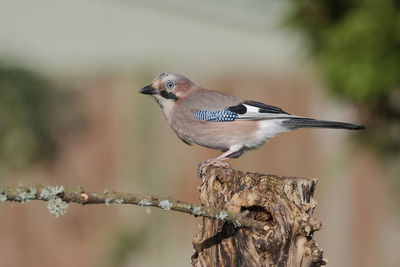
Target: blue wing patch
[216, 115]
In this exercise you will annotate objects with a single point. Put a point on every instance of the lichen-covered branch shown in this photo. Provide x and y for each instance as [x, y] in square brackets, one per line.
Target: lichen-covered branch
[58, 199]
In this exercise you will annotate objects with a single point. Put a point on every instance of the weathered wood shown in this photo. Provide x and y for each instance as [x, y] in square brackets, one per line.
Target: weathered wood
[283, 204]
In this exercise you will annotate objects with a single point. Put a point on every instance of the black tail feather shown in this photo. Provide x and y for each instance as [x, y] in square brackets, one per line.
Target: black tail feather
[295, 123]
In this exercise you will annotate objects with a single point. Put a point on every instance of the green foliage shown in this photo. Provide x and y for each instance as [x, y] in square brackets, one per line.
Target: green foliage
[24, 104]
[356, 43]
[28, 109]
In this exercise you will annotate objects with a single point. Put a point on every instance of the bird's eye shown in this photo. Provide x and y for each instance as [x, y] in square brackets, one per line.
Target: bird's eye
[170, 85]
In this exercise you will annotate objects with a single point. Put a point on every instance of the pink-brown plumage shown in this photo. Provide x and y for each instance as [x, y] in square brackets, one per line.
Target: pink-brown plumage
[250, 123]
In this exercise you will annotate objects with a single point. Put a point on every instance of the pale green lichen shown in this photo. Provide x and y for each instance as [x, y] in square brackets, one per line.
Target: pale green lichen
[165, 204]
[118, 201]
[107, 201]
[197, 210]
[222, 215]
[148, 211]
[3, 196]
[32, 192]
[57, 206]
[113, 200]
[50, 191]
[144, 202]
[45, 194]
[25, 196]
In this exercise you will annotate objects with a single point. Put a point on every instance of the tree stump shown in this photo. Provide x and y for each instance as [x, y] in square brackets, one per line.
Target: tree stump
[284, 204]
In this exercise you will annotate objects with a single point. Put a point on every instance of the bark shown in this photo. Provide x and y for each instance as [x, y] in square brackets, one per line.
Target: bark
[283, 204]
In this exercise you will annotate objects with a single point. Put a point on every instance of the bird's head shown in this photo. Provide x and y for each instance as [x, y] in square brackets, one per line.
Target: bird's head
[168, 87]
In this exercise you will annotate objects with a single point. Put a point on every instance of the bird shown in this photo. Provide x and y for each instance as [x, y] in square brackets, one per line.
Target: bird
[224, 122]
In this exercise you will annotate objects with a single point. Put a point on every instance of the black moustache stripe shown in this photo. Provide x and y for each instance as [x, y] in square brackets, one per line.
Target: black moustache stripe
[167, 95]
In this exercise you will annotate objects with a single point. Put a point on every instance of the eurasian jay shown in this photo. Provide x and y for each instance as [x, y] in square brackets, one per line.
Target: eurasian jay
[224, 122]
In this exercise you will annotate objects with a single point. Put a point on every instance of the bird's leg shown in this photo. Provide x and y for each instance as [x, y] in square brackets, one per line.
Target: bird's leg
[219, 161]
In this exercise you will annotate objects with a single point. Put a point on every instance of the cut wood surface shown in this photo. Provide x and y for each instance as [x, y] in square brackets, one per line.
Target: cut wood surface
[283, 204]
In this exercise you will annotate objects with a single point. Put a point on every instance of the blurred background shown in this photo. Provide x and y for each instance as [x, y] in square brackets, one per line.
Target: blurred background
[70, 114]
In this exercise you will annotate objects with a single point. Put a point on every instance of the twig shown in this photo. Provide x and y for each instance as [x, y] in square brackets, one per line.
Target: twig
[58, 198]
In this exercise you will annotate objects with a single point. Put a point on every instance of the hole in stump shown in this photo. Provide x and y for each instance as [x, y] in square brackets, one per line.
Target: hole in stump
[258, 213]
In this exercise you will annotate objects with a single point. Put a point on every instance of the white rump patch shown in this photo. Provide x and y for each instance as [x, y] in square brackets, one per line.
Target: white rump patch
[267, 130]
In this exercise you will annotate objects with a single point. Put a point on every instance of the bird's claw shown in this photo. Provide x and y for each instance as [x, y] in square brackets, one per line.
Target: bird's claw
[210, 162]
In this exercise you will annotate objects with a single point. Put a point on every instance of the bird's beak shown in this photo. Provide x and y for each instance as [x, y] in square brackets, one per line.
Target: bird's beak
[148, 90]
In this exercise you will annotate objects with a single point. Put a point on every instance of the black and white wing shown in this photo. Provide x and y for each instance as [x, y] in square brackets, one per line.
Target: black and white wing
[251, 110]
